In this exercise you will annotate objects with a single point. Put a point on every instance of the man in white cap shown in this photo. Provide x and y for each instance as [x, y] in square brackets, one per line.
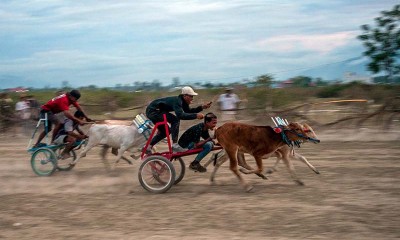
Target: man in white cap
[179, 105]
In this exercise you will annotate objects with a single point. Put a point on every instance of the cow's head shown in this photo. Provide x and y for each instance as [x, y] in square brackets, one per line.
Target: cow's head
[300, 132]
[309, 132]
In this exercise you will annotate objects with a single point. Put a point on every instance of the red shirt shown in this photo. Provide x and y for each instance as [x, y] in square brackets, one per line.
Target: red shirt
[59, 104]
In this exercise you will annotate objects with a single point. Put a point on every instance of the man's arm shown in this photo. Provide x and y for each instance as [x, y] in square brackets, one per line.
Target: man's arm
[201, 143]
[76, 135]
[81, 132]
[78, 107]
[71, 116]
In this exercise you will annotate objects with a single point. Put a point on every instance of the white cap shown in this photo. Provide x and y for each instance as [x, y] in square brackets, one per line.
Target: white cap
[188, 91]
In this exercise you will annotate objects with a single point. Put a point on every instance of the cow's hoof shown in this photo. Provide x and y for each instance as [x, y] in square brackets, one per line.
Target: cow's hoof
[271, 170]
[299, 182]
[212, 181]
[262, 176]
[249, 188]
[316, 171]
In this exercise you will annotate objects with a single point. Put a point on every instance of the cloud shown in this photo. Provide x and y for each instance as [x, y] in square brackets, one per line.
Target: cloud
[319, 43]
[122, 41]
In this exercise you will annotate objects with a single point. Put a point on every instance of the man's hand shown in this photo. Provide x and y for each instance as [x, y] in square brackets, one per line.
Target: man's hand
[207, 105]
[82, 137]
[89, 119]
[80, 122]
[200, 116]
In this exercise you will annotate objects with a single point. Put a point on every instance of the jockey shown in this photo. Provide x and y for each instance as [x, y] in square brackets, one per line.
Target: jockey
[57, 109]
[180, 106]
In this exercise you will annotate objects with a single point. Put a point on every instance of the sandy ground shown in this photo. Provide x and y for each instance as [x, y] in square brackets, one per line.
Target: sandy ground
[356, 196]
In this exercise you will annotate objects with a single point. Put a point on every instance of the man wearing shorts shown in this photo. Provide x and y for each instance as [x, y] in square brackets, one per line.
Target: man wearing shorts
[67, 135]
[57, 109]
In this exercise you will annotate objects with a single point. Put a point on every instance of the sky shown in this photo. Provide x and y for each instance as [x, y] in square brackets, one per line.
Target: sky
[44, 43]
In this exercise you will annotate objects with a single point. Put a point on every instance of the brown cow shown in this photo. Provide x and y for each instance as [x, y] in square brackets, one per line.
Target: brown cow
[258, 141]
[284, 153]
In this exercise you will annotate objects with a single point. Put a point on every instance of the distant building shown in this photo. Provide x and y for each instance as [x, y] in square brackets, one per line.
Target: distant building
[354, 77]
[17, 89]
[282, 84]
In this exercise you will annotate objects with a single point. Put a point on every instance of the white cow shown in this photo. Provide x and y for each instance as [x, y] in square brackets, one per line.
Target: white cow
[121, 137]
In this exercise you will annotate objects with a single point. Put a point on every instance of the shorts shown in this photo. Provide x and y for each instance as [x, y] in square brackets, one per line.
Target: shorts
[60, 139]
[52, 118]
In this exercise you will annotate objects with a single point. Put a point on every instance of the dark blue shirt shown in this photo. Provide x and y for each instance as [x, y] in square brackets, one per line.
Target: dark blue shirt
[193, 134]
[176, 104]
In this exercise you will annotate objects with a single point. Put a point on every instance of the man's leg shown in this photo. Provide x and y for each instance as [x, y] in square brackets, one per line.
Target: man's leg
[175, 122]
[55, 131]
[195, 165]
[207, 147]
[155, 118]
[70, 144]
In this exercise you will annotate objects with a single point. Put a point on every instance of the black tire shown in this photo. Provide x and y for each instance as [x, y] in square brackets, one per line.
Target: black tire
[44, 162]
[64, 164]
[180, 169]
[157, 174]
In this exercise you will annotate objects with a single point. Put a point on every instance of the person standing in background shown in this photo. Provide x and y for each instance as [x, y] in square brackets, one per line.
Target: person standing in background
[23, 111]
[228, 103]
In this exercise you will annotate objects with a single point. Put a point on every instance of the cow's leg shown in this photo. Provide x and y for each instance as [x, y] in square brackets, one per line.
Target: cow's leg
[115, 152]
[121, 151]
[103, 154]
[232, 154]
[214, 158]
[222, 158]
[242, 161]
[291, 170]
[274, 168]
[257, 171]
[247, 168]
[83, 152]
[304, 160]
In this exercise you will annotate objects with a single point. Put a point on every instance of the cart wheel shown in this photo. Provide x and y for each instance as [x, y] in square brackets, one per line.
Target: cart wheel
[44, 162]
[64, 164]
[156, 174]
[180, 169]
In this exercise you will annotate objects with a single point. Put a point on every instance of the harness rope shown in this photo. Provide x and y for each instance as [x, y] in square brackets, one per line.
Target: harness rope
[291, 143]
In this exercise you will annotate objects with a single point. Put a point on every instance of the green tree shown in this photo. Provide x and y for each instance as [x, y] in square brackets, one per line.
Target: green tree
[176, 82]
[319, 82]
[383, 43]
[301, 81]
[264, 80]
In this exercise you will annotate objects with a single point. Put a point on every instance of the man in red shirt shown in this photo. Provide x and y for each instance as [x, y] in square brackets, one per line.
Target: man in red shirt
[57, 109]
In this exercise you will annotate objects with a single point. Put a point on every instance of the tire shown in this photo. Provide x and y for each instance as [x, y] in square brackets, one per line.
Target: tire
[44, 162]
[180, 169]
[64, 164]
[157, 174]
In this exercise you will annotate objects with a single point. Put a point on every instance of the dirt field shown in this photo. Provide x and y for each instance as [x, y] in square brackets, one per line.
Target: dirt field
[356, 196]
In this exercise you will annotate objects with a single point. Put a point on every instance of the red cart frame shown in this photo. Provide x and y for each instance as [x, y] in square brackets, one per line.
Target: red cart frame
[160, 166]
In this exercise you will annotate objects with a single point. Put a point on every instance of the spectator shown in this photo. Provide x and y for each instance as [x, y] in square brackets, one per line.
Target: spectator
[228, 104]
[7, 117]
[35, 107]
[23, 112]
